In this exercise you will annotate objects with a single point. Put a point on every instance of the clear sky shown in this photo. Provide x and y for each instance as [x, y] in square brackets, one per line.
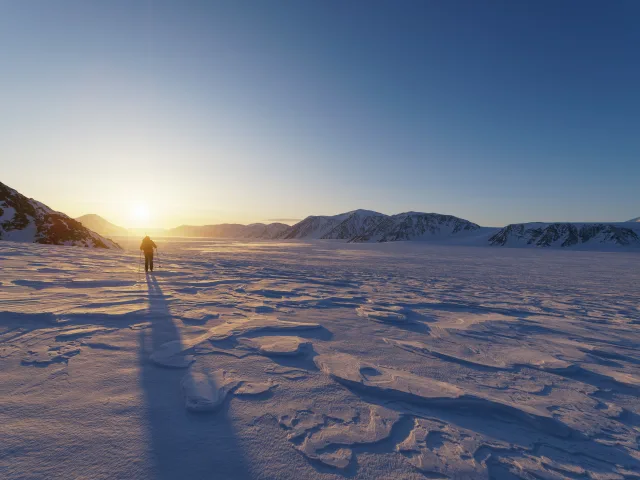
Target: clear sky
[219, 111]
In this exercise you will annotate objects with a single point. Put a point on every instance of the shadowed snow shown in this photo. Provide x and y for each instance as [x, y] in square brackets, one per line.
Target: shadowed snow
[319, 360]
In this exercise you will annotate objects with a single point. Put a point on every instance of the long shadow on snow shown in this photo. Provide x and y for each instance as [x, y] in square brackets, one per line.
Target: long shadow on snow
[182, 444]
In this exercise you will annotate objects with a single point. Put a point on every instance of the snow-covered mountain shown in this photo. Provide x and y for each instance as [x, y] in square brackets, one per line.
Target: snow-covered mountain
[231, 230]
[102, 226]
[355, 223]
[416, 226]
[266, 231]
[343, 226]
[315, 226]
[637, 219]
[366, 225]
[23, 219]
[568, 235]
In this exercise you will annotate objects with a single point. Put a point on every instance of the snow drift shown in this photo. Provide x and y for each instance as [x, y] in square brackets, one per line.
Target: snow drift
[315, 360]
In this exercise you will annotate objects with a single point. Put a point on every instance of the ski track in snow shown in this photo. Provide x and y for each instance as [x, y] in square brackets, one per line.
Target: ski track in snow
[279, 360]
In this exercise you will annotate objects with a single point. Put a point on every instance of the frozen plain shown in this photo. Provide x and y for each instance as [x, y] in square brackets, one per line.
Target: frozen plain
[277, 360]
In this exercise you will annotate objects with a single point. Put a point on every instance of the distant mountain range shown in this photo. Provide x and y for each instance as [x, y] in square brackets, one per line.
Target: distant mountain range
[231, 230]
[103, 227]
[354, 226]
[370, 226]
[24, 219]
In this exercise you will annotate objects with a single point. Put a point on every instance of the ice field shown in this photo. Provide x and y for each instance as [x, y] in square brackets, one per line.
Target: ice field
[320, 360]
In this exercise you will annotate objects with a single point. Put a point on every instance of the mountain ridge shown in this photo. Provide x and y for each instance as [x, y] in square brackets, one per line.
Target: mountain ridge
[24, 219]
[101, 225]
[231, 230]
[567, 234]
[416, 226]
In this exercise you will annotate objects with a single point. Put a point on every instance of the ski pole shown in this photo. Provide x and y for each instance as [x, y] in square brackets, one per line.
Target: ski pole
[139, 262]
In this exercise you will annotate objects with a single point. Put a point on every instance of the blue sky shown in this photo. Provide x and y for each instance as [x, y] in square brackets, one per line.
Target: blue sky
[208, 112]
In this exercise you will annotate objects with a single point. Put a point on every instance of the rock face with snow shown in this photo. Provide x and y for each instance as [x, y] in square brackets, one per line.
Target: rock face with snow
[567, 234]
[637, 219]
[101, 226]
[357, 223]
[315, 226]
[416, 226]
[365, 226]
[23, 219]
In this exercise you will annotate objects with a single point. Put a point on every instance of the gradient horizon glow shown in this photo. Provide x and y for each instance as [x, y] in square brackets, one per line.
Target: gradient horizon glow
[168, 113]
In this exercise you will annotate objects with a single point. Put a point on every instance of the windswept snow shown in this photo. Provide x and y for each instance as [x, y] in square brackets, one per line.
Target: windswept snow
[206, 392]
[277, 345]
[321, 360]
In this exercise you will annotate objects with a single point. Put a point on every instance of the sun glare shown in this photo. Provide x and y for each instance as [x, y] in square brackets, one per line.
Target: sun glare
[140, 215]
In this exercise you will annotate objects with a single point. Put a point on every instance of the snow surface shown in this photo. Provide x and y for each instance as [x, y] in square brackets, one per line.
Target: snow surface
[320, 360]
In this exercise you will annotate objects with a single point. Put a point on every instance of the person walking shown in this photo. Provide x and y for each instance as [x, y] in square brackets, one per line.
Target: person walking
[147, 247]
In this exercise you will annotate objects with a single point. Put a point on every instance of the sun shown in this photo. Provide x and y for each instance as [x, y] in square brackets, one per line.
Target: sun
[140, 214]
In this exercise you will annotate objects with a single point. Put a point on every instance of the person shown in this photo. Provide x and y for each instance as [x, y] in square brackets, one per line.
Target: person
[147, 247]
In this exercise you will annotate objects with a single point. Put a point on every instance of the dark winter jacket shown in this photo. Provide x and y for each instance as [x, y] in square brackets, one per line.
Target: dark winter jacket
[147, 245]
